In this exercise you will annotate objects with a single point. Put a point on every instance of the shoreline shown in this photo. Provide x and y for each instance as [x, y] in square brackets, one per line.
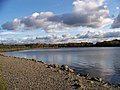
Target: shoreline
[17, 47]
[65, 69]
[55, 48]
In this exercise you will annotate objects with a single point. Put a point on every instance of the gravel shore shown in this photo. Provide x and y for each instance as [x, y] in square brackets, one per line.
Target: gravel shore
[24, 74]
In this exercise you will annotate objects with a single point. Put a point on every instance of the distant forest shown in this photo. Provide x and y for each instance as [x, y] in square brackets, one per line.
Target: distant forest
[113, 43]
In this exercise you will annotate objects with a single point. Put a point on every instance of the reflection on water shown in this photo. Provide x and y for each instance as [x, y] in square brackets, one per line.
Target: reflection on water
[102, 62]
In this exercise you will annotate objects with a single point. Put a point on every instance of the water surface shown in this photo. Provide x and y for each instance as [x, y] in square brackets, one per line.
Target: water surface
[98, 62]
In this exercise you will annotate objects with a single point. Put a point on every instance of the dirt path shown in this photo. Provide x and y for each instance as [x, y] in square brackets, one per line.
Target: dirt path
[21, 74]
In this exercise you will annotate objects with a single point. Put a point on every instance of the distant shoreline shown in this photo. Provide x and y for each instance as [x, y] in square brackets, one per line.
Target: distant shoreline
[16, 47]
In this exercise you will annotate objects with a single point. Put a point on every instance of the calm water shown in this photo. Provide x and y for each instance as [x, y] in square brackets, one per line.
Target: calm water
[103, 62]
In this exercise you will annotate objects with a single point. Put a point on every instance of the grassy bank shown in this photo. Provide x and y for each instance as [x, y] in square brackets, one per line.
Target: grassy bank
[12, 49]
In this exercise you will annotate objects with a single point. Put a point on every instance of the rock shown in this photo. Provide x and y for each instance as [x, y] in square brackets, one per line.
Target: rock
[92, 78]
[64, 67]
[96, 79]
[99, 79]
[40, 61]
[91, 82]
[59, 71]
[110, 84]
[55, 66]
[45, 63]
[76, 85]
[88, 78]
[118, 85]
[105, 84]
[67, 78]
[84, 75]
[33, 60]
[49, 66]
[76, 81]
[78, 75]
[70, 70]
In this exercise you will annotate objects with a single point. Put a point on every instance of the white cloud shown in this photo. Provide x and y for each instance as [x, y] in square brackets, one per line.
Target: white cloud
[92, 35]
[117, 8]
[36, 20]
[95, 11]
[116, 23]
[89, 13]
[8, 33]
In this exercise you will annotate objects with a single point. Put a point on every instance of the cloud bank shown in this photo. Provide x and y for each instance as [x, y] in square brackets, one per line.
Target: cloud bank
[88, 36]
[116, 23]
[88, 13]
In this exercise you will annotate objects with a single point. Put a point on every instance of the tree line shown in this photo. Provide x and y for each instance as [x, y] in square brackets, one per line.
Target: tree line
[15, 47]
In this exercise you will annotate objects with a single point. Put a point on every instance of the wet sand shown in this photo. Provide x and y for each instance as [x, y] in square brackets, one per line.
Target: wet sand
[25, 74]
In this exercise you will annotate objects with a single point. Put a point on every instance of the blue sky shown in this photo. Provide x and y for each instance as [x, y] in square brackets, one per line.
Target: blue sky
[19, 8]
[112, 4]
[12, 9]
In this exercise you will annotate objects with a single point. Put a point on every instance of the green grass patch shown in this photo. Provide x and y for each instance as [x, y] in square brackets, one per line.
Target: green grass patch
[2, 84]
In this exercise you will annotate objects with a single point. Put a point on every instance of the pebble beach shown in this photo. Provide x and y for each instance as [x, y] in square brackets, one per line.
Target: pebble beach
[25, 74]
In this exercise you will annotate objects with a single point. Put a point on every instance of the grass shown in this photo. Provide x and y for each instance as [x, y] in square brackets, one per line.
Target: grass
[2, 82]
[11, 49]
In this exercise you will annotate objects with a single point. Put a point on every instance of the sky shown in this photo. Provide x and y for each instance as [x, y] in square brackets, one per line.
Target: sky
[59, 21]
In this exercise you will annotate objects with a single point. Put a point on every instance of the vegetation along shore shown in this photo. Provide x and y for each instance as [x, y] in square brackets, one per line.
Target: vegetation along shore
[16, 47]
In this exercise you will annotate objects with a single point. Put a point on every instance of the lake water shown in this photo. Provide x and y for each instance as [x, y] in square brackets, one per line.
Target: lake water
[98, 62]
